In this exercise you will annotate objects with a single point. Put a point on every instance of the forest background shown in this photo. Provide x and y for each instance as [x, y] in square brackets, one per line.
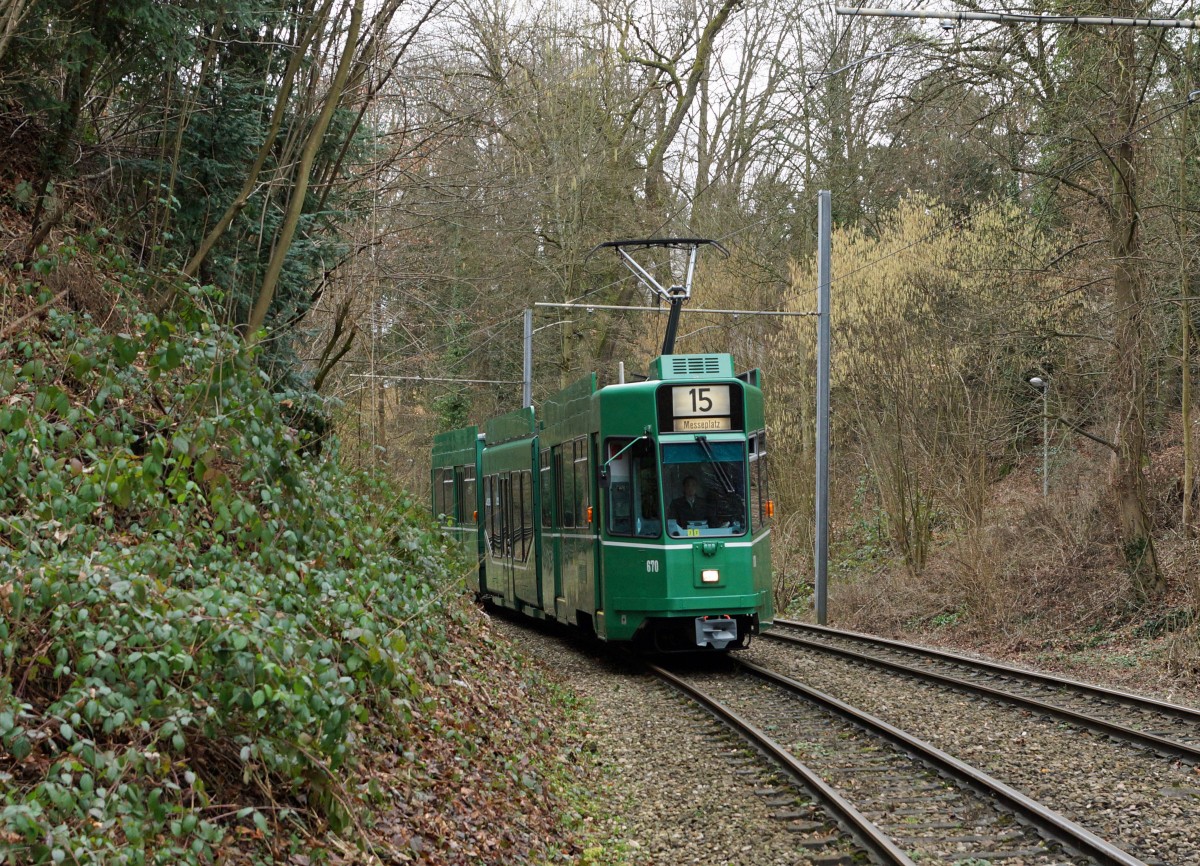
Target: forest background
[372, 193]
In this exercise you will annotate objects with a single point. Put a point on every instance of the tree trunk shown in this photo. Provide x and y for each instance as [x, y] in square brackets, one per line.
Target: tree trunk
[251, 181]
[279, 250]
[11, 14]
[655, 162]
[1129, 336]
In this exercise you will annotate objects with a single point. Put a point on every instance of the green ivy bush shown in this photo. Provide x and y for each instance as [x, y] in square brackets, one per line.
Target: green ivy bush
[195, 612]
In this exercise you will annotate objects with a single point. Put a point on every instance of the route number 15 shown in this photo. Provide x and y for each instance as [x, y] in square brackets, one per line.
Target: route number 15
[692, 401]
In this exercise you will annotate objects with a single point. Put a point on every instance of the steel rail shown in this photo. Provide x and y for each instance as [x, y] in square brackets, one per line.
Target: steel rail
[1112, 729]
[1059, 827]
[865, 832]
[1139, 701]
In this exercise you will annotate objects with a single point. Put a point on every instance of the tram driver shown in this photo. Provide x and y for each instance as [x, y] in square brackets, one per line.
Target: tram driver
[694, 508]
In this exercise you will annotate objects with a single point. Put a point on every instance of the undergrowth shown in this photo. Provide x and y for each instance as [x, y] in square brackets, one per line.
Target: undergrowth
[198, 605]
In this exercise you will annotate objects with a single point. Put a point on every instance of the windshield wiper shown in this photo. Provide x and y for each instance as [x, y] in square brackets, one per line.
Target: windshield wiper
[721, 476]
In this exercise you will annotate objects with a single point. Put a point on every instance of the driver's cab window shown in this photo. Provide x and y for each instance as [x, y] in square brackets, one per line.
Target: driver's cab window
[632, 473]
[704, 486]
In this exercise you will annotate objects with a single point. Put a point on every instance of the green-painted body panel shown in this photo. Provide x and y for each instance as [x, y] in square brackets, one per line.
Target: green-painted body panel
[506, 428]
[627, 410]
[455, 446]
[764, 579]
[569, 413]
[665, 580]
[692, 367]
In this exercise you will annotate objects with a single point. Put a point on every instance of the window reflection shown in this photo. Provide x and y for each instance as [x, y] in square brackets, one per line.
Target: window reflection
[704, 484]
[632, 488]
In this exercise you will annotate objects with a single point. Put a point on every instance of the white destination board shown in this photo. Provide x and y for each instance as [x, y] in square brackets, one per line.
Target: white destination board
[697, 425]
[699, 401]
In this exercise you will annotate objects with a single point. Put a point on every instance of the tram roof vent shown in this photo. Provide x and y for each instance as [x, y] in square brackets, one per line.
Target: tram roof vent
[691, 366]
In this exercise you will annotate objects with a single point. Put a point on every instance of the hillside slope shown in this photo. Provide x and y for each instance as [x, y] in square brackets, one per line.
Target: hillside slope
[216, 644]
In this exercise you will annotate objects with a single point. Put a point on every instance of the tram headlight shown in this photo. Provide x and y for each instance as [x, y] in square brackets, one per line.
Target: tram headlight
[710, 575]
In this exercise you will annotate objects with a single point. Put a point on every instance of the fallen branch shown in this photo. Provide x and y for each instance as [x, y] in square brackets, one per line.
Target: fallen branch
[15, 326]
[1071, 425]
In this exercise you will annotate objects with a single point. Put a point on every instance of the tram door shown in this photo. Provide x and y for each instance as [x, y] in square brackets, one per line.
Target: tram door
[523, 550]
[550, 547]
[593, 521]
[500, 576]
[577, 561]
[553, 563]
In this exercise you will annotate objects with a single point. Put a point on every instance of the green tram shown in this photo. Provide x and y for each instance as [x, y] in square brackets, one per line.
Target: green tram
[639, 511]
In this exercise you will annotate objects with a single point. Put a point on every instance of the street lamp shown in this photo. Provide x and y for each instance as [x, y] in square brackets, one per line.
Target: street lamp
[1044, 386]
[527, 377]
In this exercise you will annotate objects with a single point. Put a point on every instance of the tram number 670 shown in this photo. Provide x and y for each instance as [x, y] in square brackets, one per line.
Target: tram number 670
[652, 566]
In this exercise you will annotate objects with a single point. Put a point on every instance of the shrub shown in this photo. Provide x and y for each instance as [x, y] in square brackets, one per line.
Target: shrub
[194, 616]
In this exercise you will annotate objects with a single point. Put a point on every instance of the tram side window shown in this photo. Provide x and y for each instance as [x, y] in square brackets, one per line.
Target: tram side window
[526, 546]
[760, 492]
[514, 510]
[443, 494]
[460, 507]
[633, 507]
[496, 516]
[564, 459]
[581, 482]
[547, 488]
[449, 500]
[489, 510]
[468, 512]
[506, 516]
[439, 507]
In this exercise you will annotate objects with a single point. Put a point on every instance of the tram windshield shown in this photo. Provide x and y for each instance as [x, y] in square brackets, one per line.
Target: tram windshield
[704, 484]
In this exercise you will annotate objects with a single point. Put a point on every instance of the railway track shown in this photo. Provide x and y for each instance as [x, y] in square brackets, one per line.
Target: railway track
[1167, 729]
[898, 798]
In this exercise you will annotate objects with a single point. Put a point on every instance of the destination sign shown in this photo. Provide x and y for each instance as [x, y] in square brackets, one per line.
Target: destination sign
[696, 425]
[698, 407]
[695, 401]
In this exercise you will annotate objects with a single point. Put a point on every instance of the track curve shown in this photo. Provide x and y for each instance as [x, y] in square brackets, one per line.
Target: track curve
[901, 783]
[1168, 729]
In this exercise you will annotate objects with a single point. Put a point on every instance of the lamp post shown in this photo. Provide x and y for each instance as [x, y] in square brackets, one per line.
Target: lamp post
[527, 366]
[1044, 386]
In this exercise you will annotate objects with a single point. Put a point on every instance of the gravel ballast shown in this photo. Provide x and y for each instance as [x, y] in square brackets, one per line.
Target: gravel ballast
[679, 785]
[1146, 803]
[679, 791]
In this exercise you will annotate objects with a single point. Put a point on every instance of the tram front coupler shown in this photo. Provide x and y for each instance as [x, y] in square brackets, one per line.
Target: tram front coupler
[717, 632]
